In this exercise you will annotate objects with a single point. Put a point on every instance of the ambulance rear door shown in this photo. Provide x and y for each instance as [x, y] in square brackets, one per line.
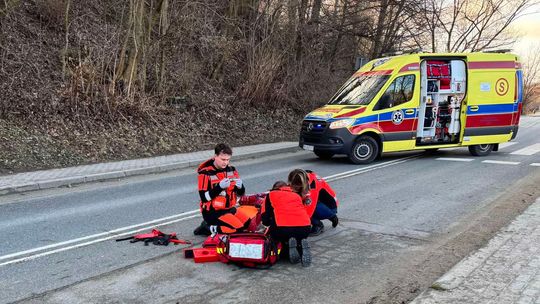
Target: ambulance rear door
[491, 103]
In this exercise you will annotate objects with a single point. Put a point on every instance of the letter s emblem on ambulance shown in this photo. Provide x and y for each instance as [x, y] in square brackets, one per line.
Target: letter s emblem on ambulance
[397, 117]
[501, 86]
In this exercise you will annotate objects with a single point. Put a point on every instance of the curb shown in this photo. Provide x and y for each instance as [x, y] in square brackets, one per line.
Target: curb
[81, 179]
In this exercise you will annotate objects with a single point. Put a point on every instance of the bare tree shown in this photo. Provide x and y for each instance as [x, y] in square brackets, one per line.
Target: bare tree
[143, 18]
[531, 78]
[469, 25]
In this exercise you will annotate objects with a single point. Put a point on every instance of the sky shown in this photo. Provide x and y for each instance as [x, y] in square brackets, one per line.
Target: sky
[529, 26]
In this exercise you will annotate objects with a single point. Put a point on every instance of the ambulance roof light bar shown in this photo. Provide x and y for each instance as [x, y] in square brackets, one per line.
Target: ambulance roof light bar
[498, 51]
[401, 52]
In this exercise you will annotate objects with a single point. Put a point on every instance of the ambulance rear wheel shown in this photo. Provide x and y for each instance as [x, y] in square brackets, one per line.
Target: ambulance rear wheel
[481, 150]
[323, 154]
[364, 150]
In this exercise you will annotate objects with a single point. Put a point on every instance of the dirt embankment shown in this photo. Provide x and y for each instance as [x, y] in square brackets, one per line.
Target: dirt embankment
[26, 146]
[67, 98]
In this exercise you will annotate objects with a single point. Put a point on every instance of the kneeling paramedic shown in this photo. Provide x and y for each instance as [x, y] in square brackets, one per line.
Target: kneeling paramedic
[322, 200]
[326, 203]
[284, 212]
[219, 186]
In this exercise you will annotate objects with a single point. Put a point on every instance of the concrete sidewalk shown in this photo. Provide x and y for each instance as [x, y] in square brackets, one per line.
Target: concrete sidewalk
[44, 179]
[507, 270]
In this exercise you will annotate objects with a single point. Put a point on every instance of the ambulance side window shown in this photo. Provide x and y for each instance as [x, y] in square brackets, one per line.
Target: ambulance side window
[400, 91]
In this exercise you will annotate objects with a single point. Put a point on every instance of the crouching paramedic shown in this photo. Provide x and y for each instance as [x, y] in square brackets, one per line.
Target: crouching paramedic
[286, 216]
[320, 200]
[326, 203]
[219, 186]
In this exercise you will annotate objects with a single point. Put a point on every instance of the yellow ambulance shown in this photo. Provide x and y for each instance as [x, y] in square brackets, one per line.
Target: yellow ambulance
[420, 102]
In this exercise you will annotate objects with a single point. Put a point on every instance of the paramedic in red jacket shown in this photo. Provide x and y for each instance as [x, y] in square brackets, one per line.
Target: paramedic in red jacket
[219, 186]
[284, 212]
[322, 201]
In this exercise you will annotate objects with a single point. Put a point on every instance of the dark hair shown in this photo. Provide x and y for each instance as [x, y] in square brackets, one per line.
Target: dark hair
[278, 185]
[298, 180]
[222, 148]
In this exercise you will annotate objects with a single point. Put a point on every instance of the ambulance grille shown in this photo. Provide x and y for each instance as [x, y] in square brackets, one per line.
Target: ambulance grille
[313, 127]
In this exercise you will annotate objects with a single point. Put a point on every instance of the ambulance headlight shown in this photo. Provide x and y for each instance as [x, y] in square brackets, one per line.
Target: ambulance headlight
[342, 123]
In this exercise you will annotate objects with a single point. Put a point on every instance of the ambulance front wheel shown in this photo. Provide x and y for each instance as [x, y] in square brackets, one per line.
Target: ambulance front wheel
[364, 150]
[323, 154]
[481, 150]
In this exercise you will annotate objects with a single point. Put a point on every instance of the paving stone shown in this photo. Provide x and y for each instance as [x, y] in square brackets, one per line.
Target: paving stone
[506, 270]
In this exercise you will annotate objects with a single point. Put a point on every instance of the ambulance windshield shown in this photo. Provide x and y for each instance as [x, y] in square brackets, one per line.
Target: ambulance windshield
[359, 90]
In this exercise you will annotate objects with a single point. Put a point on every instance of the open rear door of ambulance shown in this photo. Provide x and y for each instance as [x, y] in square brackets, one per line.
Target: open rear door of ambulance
[442, 99]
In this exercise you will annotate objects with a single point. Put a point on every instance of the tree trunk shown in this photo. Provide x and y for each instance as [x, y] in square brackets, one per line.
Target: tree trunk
[66, 39]
[299, 47]
[163, 28]
[376, 49]
[315, 12]
[132, 67]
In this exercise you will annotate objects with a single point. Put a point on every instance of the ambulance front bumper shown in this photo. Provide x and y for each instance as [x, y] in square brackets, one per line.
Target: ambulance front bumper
[336, 141]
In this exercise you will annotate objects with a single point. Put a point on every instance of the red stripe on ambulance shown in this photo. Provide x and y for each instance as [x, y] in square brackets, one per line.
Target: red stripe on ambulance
[492, 65]
[352, 113]
[410, 67]
[389, 126]
[381, 72]
[489, 120]
[359, 128]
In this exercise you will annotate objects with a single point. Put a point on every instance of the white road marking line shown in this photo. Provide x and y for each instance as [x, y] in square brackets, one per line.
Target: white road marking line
[500, 162]
[368, 168]
[530, 150]
[156, 223]
[28, 258]
[455, 159]
[507, 144]
[17, 254]
[535, 164]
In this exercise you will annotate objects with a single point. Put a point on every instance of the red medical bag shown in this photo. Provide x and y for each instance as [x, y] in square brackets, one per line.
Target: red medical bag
[250, 249]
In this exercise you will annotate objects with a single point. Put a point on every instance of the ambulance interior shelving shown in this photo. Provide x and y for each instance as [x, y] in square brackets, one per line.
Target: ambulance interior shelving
[442, 89]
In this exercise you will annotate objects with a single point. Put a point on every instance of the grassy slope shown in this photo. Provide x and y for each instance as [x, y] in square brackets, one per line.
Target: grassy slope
[40, 128]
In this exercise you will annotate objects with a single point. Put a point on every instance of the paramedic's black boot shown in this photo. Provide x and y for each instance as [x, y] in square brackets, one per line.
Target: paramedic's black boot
[203, 229]
[334, 219]
[316, 229]
[294, 256]
[306, 253]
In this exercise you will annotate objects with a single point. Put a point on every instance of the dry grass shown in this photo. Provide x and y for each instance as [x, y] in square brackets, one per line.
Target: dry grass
[64, 103]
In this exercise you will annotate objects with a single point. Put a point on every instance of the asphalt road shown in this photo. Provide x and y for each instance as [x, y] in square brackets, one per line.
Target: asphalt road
[57, 244]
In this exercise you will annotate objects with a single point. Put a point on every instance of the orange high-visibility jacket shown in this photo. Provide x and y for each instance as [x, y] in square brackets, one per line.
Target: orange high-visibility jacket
[284, 208]
[212, 196]
[320, 191]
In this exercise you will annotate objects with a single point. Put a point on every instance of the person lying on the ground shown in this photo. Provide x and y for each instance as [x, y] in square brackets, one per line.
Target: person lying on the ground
[257, 200]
